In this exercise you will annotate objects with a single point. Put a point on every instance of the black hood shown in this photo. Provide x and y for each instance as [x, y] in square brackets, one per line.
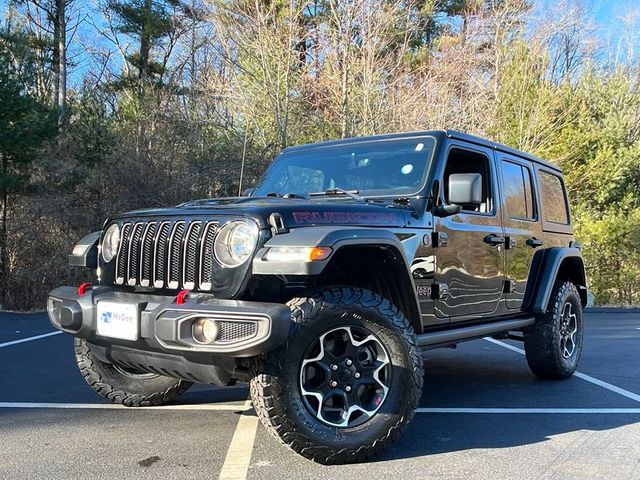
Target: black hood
[295, 212]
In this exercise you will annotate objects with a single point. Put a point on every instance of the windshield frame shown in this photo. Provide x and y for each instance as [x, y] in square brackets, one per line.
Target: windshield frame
[358, 141]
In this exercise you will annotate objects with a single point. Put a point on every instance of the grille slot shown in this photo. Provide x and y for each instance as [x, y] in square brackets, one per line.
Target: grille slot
[123, 250]
[206, 254]
[159, 254]
[134, 252]
[170, 255]
[173, 255]
[147, 254]
[191, 255]
[234, 331]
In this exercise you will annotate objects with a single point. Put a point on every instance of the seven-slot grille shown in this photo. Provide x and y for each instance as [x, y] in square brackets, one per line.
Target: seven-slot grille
[166, 254]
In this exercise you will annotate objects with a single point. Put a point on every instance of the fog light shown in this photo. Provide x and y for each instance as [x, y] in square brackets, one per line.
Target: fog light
[205, 330]
[53, 306]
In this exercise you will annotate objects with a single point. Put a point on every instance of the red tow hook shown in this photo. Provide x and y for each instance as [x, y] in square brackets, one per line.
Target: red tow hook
[83, 287]
[182, 296]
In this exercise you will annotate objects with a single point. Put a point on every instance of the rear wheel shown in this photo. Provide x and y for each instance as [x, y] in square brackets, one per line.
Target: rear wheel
[347, 381]
[554, 343]
[123, 385]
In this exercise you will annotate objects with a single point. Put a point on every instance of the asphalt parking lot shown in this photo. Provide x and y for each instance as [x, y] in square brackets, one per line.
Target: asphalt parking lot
[482, 415]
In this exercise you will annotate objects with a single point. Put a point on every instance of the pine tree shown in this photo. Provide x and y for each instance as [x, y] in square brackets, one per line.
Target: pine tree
[150, 22]
[25, 124]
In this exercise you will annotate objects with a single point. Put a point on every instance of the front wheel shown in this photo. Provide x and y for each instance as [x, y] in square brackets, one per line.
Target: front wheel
[347, 381]
[554, 343]
[125, 386]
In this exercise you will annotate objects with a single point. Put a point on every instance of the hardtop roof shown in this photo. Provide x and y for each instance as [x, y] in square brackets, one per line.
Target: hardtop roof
[436, 133]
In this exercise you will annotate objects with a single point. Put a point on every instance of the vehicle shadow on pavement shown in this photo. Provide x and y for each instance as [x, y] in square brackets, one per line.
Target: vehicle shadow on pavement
[431, 434]
[208, 394]
[499, 381]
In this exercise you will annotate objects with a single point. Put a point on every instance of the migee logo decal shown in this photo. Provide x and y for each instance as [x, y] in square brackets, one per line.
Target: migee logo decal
[108, 317]
[367, 218]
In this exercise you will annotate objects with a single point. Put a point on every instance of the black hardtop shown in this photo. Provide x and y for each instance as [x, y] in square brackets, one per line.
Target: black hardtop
[438, 134]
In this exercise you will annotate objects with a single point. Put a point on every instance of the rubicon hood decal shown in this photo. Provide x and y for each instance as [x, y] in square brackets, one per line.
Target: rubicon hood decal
[341, 218]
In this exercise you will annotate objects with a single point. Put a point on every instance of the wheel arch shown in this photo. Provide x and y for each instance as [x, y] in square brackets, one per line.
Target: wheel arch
[361, 257]
[380, 268]
[559, 263]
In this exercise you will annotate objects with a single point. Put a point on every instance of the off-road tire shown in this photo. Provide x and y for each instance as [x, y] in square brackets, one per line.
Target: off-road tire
[276, 393]
[542, 341]
[118, 387]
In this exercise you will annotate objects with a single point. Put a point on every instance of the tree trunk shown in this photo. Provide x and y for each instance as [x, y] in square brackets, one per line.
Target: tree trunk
[4, 270]
[345, 91]
[61, 47]
[145, 47]
[142, 146]
[59, 61]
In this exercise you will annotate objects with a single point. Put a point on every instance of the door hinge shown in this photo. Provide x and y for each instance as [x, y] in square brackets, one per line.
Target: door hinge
[439, 239]
[439, 291]
[509, 286]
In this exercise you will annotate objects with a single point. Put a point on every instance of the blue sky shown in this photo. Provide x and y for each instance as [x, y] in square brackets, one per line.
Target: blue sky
[606, 10]
[606, 13]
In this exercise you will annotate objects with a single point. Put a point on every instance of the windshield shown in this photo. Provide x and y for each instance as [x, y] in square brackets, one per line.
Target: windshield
[373, 168]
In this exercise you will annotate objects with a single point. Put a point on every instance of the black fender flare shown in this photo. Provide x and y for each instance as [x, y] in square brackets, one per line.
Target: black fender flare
[85, 252]
[336, 238]
[330, 236]
[558, 262]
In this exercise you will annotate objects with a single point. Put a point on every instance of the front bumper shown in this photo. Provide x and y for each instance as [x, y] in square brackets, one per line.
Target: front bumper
[246, 328]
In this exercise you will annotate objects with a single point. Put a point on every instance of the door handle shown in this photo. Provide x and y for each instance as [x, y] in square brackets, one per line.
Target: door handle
[494, 240]
[534, 242]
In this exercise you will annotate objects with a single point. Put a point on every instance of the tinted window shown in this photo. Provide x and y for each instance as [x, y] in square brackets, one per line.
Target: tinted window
[553, 198]
[517, 190]
[387, 167]
[465, 161]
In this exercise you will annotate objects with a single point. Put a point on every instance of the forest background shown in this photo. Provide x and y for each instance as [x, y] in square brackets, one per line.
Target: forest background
[111, 105]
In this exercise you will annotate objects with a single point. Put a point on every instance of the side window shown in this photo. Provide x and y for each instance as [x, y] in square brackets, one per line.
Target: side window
[465, 161]
[553, 198]
[517, 191]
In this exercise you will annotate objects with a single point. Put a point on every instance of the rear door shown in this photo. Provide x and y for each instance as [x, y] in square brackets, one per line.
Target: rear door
[522, 225]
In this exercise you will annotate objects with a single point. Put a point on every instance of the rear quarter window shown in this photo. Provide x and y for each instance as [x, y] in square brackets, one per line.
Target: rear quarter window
[554, 200]
[517, 191]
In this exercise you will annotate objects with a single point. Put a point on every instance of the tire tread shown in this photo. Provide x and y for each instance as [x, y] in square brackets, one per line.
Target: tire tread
[87, 364]
[266, 389]
[540, 339]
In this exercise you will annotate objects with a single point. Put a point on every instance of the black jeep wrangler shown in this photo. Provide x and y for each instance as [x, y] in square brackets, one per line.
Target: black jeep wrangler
[325, 286]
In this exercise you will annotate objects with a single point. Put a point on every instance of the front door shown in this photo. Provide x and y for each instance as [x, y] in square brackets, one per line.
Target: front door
[469, 246]
[523, 227]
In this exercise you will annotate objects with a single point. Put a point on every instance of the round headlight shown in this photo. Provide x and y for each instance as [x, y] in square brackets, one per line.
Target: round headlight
[110, 242]
[235, 243]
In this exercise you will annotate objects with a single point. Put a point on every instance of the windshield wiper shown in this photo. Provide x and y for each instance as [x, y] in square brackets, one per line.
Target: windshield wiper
[339, 191]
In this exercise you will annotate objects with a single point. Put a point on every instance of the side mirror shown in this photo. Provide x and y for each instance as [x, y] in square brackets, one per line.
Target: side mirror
[247, 192]
[446, 210]
[465, 189]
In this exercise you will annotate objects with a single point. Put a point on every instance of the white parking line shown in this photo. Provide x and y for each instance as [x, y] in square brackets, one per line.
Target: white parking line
[236, 463]
[246, 409]
[29, 339]
[112, 406]
[583, 376]
[539, 411]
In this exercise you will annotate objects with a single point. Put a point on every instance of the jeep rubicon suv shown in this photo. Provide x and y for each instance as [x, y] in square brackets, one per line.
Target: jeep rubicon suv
[325, 286]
